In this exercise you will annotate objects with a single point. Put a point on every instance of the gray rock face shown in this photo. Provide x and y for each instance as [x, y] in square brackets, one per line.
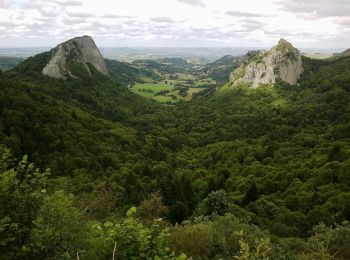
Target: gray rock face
[282, 62]
[80, 50]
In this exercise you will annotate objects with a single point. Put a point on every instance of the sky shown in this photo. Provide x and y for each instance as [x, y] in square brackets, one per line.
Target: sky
[176, 23]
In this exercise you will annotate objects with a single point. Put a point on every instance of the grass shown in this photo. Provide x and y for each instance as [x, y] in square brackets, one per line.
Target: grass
[165, 99]
[150, 90]
[191, 91]
[205, 81]
[318, 56]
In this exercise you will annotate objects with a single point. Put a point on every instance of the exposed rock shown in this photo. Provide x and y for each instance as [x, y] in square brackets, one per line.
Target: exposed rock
[282, 62]
[80, 50]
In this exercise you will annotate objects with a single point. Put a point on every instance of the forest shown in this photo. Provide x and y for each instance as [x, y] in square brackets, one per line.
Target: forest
[91, 170]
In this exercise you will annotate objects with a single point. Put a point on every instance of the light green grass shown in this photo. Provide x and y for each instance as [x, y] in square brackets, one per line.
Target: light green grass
[205, 81]
[150, 90]
[318, 56]
[191, 91]
[165, 99]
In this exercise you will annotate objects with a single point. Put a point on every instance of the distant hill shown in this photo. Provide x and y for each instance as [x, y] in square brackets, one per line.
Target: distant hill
[127, 73]
[166, 65]
[220, 69]
[345, 53]
[7, 63]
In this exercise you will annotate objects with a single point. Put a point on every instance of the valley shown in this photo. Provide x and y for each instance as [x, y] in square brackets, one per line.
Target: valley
[241, 157]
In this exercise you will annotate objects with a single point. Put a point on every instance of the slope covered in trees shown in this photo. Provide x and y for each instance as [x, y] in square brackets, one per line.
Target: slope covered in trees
[259, 167]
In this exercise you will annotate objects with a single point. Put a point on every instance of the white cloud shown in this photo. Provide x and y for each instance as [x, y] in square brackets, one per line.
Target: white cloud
[162, 19]
[314, 9]
[244, 14]
[192, 2]
[246, 23]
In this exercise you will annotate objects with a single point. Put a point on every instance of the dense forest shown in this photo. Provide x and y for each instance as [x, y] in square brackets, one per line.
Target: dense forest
[91, 170]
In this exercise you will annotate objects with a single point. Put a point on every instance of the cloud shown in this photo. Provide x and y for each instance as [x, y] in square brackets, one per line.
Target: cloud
[314, 9]
[162, 19]
[68, 2]
[115, 16]
[192, 2]
[74, 20]
[345, 23]
[80, 14]
[244, 14]
[251, 25]
[4, 3]
[197, 22]
[6, 24]
[49, 11]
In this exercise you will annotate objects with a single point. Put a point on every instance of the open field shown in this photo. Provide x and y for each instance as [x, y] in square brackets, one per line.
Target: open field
[150, 90]
[165, 99]
[191, 91]
[318, 56]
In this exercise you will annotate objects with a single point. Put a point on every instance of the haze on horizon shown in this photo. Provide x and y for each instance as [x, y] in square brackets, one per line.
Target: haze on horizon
[177, 23]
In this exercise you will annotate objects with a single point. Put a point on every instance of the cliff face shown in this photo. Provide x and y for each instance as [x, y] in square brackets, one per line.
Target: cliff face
[282, 62]
[80, 50]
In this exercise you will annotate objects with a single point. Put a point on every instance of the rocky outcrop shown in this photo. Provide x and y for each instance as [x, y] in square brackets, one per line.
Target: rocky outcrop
[82, 51]
[282, 62]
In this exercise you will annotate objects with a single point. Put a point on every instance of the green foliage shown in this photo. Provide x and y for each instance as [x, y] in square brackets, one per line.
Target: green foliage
[215, 204]
[58, 228]
[7, 63]
[329, 242]
[218, 239]
[261, 251]
[152, 208]
[126, 73]
[276, 157]
[22, 190]
[252, 194]
[33, 66]
[221, 69]
[130, 240]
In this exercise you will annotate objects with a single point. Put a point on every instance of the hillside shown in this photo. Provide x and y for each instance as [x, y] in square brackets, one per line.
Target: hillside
[220, 69]
[271, 162]
[166, 65]
[7, 63]
[127, 73]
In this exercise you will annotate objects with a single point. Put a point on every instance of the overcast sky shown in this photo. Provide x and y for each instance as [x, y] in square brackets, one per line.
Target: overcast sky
[176, 23]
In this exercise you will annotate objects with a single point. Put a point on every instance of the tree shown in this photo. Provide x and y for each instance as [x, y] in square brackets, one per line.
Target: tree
[336, 153]
[22, 190]
[59, 228]
[252, 194]
[152, 208]
[178, 212]
[129, 239]
[215, 204]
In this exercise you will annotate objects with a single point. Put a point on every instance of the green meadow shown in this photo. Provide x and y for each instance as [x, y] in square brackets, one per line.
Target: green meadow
[151, 90]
